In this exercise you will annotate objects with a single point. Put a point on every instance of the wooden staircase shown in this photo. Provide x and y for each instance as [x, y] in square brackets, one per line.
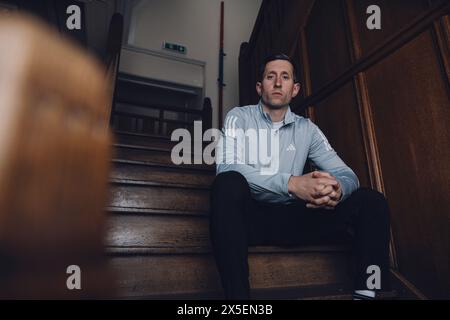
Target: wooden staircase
[158, 239]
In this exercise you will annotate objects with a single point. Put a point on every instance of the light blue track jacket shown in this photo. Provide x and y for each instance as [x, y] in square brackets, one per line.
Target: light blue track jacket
[298, 139]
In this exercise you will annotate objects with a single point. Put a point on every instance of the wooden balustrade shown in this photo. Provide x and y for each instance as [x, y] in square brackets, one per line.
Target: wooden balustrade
[204, 115]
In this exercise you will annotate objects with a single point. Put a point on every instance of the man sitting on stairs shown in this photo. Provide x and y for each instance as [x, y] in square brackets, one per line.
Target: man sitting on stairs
[252, 204]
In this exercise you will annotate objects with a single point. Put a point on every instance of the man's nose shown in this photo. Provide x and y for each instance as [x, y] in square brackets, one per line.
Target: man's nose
[278, 82]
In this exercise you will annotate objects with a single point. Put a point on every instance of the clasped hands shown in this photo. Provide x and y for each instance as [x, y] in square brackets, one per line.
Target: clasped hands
[319, 189]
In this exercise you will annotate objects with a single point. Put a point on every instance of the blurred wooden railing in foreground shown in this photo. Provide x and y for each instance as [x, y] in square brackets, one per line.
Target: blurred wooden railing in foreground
[54, 155]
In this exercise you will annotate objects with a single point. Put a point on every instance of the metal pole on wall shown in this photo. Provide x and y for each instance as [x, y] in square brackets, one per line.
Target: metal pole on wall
[221, 56]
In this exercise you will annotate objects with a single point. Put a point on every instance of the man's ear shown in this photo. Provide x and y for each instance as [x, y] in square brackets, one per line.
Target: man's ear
[258, 88]
[295, 89]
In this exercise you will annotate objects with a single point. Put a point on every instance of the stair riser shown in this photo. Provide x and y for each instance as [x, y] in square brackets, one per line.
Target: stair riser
[149, 141]
[155, 156]
[174, 274]
[155, 197]
[142, 155]
[158, 231]
[145, 141]
[155, 174]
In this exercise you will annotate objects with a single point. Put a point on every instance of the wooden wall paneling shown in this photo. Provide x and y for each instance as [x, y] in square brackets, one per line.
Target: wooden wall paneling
[306, 85]
[297, 59]
[306, 72]
[328, 55]
[441, 35]
[275, 21]
[391, 44]
[394, 16]
[365, 113]
[338, 117]
[299, 14]
[267, 36]
[410, 106]
[326, 39]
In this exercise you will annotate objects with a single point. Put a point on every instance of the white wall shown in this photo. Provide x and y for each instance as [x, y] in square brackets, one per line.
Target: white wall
[196, 24]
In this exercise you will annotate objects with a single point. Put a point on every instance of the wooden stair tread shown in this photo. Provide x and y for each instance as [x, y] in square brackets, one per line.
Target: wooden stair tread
[137, 172]
[152, 154]
[137, 134]
[152, 211]
[290, 293]
[157, 142]
[157, 184]
[151, 141]
[126, 251]
[161, 231]
[320, 292]
[159, 197]
[142, 147]
[191, 167]
[151, 148]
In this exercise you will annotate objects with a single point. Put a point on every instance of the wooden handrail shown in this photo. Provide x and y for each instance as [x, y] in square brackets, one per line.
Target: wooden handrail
[112, 57]
[114, 42]
[393, 43]
[207, 114]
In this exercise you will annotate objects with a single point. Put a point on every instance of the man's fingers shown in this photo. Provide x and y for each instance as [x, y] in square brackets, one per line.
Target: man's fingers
[319, 174]
[326, 202]
[326, 191]
[332, 203]
[333, 195]
[327, 181]
[323, 182]
[312, 206]
[321, 201]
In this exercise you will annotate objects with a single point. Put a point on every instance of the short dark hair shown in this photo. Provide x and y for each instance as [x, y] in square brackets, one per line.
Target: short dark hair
[277, 56]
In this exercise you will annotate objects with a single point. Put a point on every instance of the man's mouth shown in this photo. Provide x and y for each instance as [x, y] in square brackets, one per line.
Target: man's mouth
[277, 94]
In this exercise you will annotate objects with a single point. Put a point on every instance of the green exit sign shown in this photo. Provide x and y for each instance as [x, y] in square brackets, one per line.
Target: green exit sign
[174, 47]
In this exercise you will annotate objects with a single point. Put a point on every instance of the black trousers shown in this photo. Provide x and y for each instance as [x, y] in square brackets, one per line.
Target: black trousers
[238, 221]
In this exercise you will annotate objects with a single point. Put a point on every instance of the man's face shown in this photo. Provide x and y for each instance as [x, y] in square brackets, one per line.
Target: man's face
[277, 87]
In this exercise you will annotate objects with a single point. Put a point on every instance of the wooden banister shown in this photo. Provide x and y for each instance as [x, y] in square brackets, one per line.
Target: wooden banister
[204, 114]
[112, 57]
[207, 114]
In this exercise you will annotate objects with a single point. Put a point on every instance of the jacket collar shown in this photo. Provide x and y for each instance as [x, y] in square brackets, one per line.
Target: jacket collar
[289, 117]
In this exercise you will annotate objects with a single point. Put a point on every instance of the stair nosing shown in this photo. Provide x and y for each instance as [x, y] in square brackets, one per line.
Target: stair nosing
[155, 136]
[337, 290]
[163, 165]
[141, 147]
[117, 181]
[170, 250]
[331, 291]
[154, 211]
[150, 148]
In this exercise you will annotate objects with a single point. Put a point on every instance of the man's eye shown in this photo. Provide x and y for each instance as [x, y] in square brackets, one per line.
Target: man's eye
[286, 77]
[270, 77]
